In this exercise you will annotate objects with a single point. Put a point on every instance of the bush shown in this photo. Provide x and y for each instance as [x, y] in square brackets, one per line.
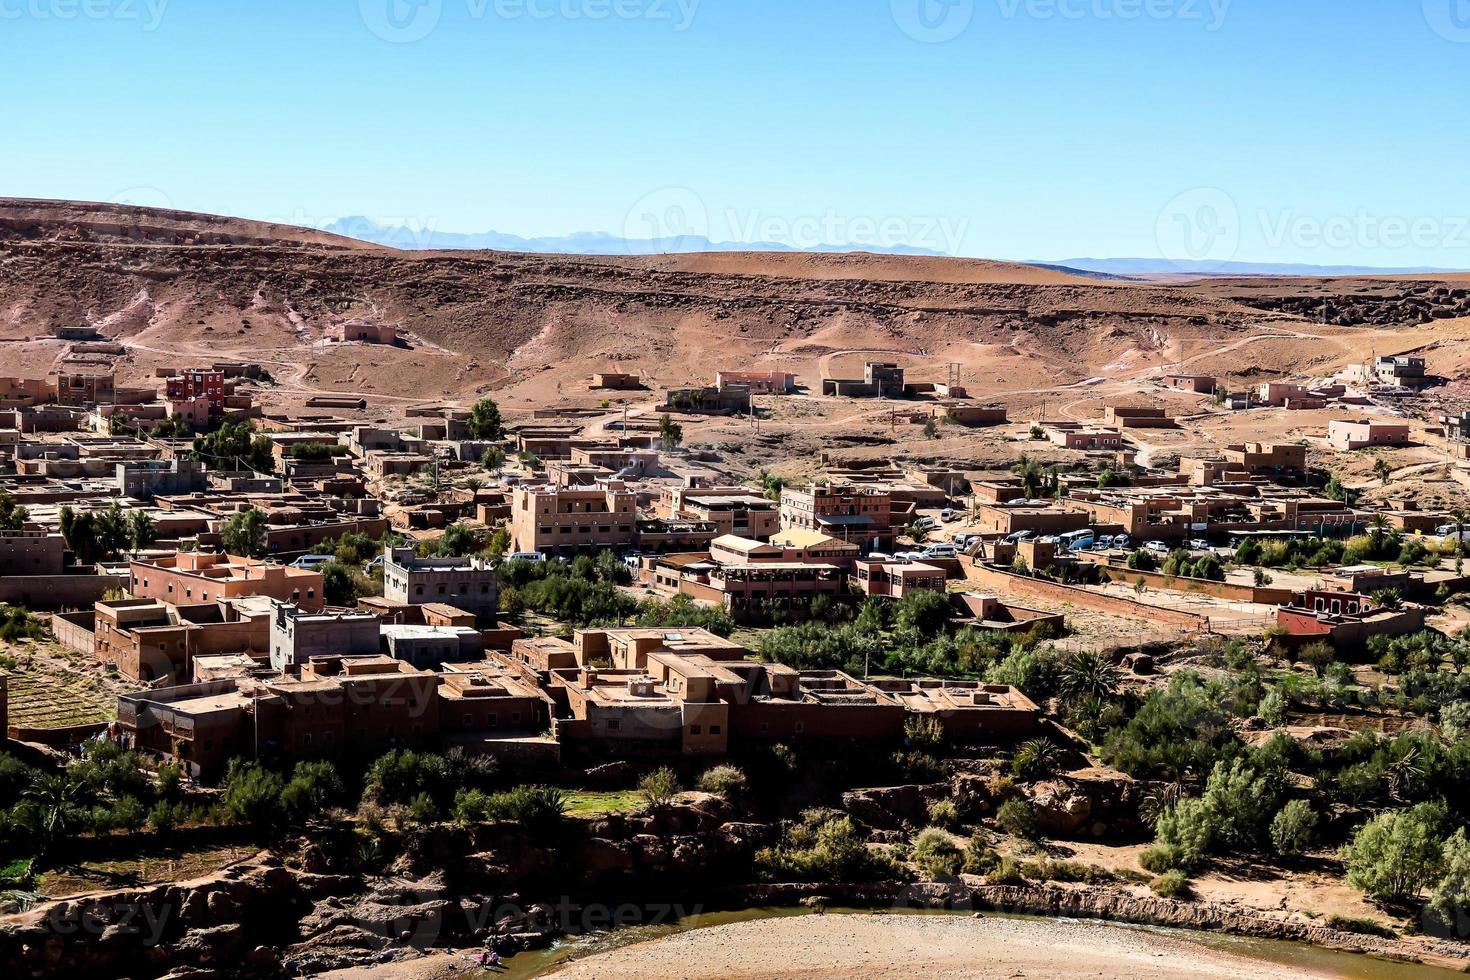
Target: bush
[1171, 884]
[1184, 834]
[943, 813]
[1354, 923]
[1016, 818]
[1394, 855]
[1294, 828]
[252, 794]
[533, 807]
[725, 781]
[936, 855]
[980, 857]
[1449, 903]
[659, 788]
[825, 846]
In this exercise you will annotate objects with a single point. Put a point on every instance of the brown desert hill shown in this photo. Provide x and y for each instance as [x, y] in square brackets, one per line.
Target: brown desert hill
[41, 220]
[862, 265]
[533, 327]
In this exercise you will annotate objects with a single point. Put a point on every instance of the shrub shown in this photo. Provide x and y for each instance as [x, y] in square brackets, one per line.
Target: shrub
[1395, 854]
[252, 794]
[1007, 872]
[1449, 903]
[724, 781]
[1184, 834]
[825, 846]
[1294, 828]
[1355, 923]
[1016, 818]
[530, 806]
[944, 813]
[936, 855]
[980, 857]
[1171, 884]
[659, 788]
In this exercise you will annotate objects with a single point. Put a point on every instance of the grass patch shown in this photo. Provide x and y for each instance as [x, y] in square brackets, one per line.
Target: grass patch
[172, 865]
[1354, 923]
[590, 803]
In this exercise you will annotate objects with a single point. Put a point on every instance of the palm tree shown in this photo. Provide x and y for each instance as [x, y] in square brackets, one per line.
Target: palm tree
[1460, 517]
[1087, 673]
[58, 797]
[1404, 771]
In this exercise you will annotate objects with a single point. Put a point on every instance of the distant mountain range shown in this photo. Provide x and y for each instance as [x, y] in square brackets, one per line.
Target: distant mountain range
[1153, 267]
[604, 243]
[578, 243]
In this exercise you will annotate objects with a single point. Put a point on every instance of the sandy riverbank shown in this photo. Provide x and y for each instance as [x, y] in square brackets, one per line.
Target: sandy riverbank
[906, 946]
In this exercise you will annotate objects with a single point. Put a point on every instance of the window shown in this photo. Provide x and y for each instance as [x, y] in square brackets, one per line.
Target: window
[613, 724]
[800, 727]
[695, 730]
[714, 729]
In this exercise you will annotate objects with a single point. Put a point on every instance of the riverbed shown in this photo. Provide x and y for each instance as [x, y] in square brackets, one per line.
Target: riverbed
[785, 943]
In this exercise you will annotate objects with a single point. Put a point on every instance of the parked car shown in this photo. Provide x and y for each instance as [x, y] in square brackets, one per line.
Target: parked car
[1199, 544]
[940, 551]
[948, 515]
[1020, 536]
[1122, 541]
[313, 561]
[1158, 547]
[927, 523]
[1104, 541]
[531, 556]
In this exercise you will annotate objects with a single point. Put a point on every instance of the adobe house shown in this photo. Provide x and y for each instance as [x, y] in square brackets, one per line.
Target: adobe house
[1346, 435]
[1200, 384]
[1346, 620]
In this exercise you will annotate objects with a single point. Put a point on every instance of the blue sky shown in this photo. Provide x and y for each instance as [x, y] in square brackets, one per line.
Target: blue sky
[1325, 131]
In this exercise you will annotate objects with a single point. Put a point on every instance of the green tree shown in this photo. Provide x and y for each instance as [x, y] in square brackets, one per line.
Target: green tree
[670, 433]
[1393, 856]
[141, 531]
[1087, 673]
[244, 534]
[1382, 470]
[235, 444]
[252, 794]
[12, 516]
[1294, 828]
[1449, 903]
[494, 459]
[485, 421]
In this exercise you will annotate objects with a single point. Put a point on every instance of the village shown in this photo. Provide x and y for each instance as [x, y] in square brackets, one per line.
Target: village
[205, 580]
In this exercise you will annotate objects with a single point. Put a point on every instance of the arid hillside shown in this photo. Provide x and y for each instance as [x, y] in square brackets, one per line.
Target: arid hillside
[532, 328]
